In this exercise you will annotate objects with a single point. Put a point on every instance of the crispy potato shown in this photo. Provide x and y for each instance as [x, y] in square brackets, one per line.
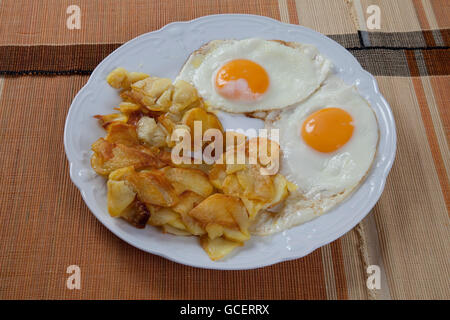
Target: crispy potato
[168, 121]
[256, 186]
[152, 188]
[281, 190]
[184, 94]
[225, 210]
[231, 186]
[209, 120]
[165, 100]
[110, 156]
[217, 175]
[136, 214]
[175, 231]
[189, 179]
[131, 96]
[150, 132]
[253, 206]
[232, 168]
[162, 216]
[122, 133]
[109, 119]
[133, 77]
[214, 230]
[189, 200]
[177, 223]
[117, 78]
[282, 187]
[235, 235]
[128, 107]
[219, 247]
[192, 225]
[148, 91]
[119, 196]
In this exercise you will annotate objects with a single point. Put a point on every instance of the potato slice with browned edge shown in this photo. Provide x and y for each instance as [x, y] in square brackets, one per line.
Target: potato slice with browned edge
[119, 196]
[224, 210]
[189, 200]
[208, 120]
[219, 247]
[153, 188]
[108, 119]
[175, 231]
[136, 214]
[217, 175]
[189, 179]
[122, 133]
[162, 216]
[110, 156]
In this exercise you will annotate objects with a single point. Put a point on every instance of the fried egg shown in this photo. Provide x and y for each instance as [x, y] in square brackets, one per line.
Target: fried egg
[250, 75]
[329, 143]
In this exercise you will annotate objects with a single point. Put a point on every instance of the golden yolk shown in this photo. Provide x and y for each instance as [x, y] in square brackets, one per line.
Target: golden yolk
[328, 129]
[229, 80]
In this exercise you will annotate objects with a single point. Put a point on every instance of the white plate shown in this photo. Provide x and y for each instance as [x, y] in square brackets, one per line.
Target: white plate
[162, 53]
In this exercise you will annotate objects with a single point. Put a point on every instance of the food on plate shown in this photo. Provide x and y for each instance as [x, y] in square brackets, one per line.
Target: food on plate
[329, 143]
[253, 74]
[216, 202]
[328, 137]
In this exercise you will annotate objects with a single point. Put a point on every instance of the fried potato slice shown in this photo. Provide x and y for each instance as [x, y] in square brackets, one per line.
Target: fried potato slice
[150, 132]
[136, 214]
[149, 90]
[152, 188]
[184, 94]
[117, 78]
[108, 119]
[282, 188]
[219, 247]
[175, 231]
[224, 210]
[162, 216]
[217, 175]
[133, 77]
[235, 235]
[122, 133]
[127, 107]
[188, 200]
[253, 206]
[110, 156]
[119, 196]
[168, 121]
[231, 186]
[214, 230]
[208, 120]
[256, 186]
[177, 223]
[184, 179]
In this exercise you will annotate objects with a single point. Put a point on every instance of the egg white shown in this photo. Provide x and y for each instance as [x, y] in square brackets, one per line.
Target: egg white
[295, 71]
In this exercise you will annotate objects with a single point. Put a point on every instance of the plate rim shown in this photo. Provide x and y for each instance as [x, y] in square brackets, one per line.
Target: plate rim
[357, 219]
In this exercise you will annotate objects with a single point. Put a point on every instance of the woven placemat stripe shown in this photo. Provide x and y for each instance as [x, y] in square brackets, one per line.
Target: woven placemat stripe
[83, 58]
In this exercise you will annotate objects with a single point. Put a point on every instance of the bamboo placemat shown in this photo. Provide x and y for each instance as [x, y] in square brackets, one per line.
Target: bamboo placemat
[45, 225]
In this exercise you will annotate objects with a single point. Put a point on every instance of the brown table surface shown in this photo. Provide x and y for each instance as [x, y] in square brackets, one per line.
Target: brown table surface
[45, 225]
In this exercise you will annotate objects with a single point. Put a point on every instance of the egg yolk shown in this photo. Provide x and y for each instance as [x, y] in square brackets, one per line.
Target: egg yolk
[328, 129]
[242, 79]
